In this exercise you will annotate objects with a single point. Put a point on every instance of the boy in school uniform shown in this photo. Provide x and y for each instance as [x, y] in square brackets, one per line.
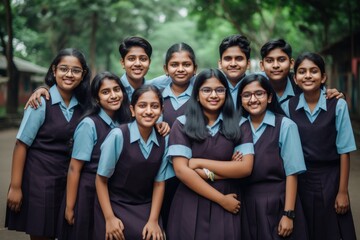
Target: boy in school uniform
[234, 60]
[135, 59]
[276, 64]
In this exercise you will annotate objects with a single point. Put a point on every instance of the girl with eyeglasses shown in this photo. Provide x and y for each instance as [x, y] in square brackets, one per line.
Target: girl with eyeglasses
[202, 144]
[271, 208]
[43, 148]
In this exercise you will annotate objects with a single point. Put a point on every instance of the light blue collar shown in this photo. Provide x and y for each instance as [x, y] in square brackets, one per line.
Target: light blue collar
[135, 134]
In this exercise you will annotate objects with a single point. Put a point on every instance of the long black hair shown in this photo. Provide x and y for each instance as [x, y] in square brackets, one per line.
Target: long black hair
[122, 115]
[81, 92]
[196, 121]
[273, 106]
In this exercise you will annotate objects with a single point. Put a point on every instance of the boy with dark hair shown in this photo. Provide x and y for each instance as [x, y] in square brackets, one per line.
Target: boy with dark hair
[277, 63]
[234, 60]
[135, 59]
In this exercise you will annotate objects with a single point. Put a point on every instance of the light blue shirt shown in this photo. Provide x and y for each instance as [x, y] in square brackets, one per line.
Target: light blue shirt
[177, 101]
[185, 151]
[34, 118]
[163, 81]
[159, 82]
[113, 146]
[288, 92]
[128, 88]
[85, 136]
[289, 142]
[345, 140]
[234, 91]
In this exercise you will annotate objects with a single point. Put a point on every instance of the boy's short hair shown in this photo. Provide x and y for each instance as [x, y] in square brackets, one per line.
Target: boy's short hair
[235, 40]
[273, 44]
[130, 42]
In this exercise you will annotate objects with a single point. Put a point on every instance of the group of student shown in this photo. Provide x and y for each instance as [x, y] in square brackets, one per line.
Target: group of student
[257, 156]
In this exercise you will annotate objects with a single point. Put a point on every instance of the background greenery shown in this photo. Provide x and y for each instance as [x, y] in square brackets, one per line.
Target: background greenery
[42, 27]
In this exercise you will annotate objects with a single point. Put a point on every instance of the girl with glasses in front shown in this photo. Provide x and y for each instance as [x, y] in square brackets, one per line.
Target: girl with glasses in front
[202, 144]
[271, 208]
[43, 148]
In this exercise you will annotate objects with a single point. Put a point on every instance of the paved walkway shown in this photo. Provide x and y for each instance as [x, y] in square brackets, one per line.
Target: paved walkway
[7, 140]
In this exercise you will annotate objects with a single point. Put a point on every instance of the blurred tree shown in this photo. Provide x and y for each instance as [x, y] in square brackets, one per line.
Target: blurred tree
[306, 24]
[42, 27]
[12, 73]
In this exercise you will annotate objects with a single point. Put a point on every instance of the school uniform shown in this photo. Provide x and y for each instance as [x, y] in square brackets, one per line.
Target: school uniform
[128, 88]
[48, 132]
[163, 81]
[234, 90]
[131, 166]
[290, 90]
[88, 137]
[191, 215]
[325, 133]
[174, 106]
[278, 154]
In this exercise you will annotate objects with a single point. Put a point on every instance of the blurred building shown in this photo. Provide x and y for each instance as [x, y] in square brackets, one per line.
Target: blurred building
[343, 69]
[30, 76]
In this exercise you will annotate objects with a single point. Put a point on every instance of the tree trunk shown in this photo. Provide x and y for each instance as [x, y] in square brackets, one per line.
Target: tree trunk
[13, 82]
[93, 44]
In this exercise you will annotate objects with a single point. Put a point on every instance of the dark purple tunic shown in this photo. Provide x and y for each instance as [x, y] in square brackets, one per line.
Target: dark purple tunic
[264, 191]
[169, 116]
[83, 227]
[130, 187]
[193, 216]
[44, 177]
[319, 185]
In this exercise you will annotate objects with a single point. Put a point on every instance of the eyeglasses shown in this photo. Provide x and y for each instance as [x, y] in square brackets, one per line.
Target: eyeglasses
[208, 90]
[257, 94]
[65, 69]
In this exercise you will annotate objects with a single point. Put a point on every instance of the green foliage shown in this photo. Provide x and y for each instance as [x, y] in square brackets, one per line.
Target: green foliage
[43, 27]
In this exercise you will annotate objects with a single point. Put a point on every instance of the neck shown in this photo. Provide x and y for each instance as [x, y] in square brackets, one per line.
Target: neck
[279, 86]
[236, 81]
[256, 120]
[312, 97]
[65, 95]
[111, 114]
[135, 83]
[211, 116]
[145, 132]
[179, 89]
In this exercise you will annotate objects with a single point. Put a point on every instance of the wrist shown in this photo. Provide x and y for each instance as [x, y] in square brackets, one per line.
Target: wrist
[153, 220]
[289, 214]
[343, 191]
[15, 186]
[210, 175]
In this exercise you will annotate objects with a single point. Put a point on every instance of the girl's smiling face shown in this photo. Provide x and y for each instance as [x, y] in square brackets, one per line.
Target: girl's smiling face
[147, 109]
[180, 68]
[110, 96]
[212, 96]
[255, 99]
[309, 77]
[68, 74]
